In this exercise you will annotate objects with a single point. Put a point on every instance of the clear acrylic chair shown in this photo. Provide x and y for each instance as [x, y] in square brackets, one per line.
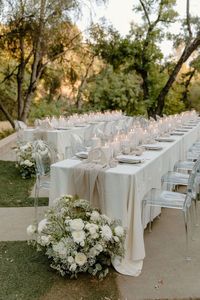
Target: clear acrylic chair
[173, 200]
[173, 180]
[77, 144]
[44, 155]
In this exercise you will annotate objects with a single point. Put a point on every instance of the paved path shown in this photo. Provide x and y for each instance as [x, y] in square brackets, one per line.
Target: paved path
[14, 221]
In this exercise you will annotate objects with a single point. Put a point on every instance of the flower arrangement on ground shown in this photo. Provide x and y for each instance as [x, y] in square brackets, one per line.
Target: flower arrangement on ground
[77, 238]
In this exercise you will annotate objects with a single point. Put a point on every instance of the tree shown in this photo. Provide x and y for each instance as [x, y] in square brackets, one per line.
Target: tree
[36, 33]
[192, 42]
[147, 59]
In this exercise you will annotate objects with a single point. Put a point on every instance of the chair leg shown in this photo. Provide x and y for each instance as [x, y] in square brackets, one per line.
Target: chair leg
[37, 188]
[150, 222]
[185, 215]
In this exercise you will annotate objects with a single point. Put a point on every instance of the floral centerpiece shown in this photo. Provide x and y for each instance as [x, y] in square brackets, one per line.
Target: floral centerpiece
[25, 159]
[77, 238]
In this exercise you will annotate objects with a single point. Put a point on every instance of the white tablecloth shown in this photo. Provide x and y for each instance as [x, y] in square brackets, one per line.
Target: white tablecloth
[125, 187]
[60, 139]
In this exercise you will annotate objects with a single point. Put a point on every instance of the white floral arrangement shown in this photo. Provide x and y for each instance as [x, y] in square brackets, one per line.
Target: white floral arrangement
[25, 159]
[77, 238]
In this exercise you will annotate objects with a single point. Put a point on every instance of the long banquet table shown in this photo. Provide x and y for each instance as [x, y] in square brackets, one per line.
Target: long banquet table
[124, 188]
[61, 138]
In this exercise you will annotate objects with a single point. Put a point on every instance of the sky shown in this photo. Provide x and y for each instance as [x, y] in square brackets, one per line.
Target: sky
[119, 13]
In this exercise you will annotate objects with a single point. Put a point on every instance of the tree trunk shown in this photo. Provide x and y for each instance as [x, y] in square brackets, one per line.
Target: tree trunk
[185, 100]
[37, 66]
[189, 49]
[7, 115]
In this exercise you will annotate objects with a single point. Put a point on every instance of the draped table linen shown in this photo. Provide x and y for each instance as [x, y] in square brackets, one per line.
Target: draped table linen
[124, 188]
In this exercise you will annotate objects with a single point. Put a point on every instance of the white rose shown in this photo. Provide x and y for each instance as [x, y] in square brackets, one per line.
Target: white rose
[80, 259]
[116, 239]
[70, 259]
[106, 232]
[95, 216]
[76, 224]
[73, 267]
[31, 229]
[42, 225]
[119, 231]
[78, 236]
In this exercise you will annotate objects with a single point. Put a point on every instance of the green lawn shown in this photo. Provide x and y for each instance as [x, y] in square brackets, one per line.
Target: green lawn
[15, 191]
[25, 275]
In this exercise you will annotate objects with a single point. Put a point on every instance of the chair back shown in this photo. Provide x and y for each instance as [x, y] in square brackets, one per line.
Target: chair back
[77, 143]
[191, 188]
[44, 155]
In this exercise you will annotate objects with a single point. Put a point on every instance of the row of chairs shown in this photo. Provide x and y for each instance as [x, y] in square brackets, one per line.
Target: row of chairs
[186, 174]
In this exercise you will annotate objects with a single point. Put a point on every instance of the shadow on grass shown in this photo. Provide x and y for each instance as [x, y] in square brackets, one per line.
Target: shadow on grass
[15, 191]
[25, 275]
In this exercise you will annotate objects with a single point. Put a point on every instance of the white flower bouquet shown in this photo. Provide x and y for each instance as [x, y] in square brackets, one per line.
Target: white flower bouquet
[77, 238]
[25, 160]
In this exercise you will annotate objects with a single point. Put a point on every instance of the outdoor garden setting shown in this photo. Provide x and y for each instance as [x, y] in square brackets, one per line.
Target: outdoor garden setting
[99, 149]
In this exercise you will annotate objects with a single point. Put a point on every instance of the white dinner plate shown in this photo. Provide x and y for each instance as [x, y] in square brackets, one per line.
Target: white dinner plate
[181, 130]
[129, 159]
[164, 139]
[82, 154]
[80, 125]
[177, 133]
[152, 147]
[63, 128]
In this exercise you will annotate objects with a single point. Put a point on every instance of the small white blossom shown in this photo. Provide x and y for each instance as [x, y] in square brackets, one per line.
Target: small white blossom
[73, 267]
[60, 248]
[28, 163]
[95, 216]
[92, 228]
[70, 259]
[42, 225]
[106, 232]
[80, 259]
[116, 239]
[93, 252]
[119, 231]
[98, 247]
[31, 229]
[44, 240]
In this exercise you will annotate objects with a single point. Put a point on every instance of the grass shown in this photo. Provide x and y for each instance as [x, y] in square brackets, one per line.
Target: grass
[5, 133]
[15, 191]
[25, 275]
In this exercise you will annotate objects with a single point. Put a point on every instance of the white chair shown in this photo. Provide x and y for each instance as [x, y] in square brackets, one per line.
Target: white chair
[173, 200]
[44, 155]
